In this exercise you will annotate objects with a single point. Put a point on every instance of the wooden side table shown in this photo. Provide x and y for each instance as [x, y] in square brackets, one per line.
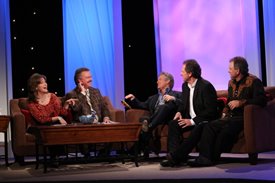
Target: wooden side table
[4, 124]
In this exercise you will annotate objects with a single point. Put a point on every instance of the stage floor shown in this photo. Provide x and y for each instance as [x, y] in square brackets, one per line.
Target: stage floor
[234, 169]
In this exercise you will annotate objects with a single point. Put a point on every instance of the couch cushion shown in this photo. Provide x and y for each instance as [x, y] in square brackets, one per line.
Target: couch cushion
[23, 103]
[28, 118]
[268, 95]
[270, 90]
[222, 93]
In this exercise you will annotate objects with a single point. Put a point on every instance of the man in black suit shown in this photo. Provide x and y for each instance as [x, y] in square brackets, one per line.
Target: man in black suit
[162, 107]
[199, 106]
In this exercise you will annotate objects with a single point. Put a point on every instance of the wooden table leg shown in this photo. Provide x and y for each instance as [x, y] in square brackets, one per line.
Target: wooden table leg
[37, 155]
[122, 151]
[45, 158]
[6, 149]
[136, 153]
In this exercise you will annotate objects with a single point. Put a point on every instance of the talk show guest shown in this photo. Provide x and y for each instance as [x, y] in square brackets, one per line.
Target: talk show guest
[199, 107]
[45, 107]
[220, 135]
[89, 106]
[162, 107]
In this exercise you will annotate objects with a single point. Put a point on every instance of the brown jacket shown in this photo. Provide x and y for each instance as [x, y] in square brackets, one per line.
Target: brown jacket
[82, 107]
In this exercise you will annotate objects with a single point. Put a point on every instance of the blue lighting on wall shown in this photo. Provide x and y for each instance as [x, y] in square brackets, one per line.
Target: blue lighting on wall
[90, 40]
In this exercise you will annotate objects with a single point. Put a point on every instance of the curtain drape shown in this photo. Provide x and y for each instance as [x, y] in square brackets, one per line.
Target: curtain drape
[91, 39]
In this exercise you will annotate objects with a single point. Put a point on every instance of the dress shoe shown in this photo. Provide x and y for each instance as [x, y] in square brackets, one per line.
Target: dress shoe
[200, 162]
[169, 162]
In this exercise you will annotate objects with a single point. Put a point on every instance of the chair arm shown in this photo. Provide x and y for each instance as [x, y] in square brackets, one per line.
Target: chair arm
[259, 127]
[133, 115]
[18, 125]
[117, 115]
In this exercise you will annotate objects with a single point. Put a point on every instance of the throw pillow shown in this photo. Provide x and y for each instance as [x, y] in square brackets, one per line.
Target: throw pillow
[28, 118]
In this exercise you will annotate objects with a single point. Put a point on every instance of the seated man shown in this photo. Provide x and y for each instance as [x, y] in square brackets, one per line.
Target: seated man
[162, 107]
[199, 107]
[220, 135]
[90, 104]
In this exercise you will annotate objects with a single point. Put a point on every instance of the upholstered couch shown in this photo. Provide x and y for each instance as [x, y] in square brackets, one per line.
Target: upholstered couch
[259, 127]
[23, 143]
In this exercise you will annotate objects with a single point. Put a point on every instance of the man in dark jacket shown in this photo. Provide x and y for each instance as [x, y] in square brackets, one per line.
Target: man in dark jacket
[220, 135]
[162, 107]
[199, 107]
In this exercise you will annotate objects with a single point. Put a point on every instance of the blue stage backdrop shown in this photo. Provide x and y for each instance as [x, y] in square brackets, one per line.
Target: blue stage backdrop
[93, 39]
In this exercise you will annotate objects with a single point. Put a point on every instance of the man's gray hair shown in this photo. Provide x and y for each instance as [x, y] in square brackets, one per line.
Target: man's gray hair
[169, 77]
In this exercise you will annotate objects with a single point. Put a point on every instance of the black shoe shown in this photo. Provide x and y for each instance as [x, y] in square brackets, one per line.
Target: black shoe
[200, 162]
[169, 162]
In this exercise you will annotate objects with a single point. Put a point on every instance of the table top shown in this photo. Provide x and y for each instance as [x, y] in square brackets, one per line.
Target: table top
[4, 122]
[92, 133]
[80, 125]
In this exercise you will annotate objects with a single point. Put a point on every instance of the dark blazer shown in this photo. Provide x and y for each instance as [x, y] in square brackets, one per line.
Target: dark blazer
[150, 103]
[204, 101]
[164, 112]
[83, 108]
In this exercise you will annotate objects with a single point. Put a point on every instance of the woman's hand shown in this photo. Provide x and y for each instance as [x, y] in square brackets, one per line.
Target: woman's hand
[62, 121]
[59, 119]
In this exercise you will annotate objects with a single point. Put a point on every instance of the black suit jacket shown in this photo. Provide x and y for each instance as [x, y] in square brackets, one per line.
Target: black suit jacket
[204, 101]
[164, 113]
[151, 102]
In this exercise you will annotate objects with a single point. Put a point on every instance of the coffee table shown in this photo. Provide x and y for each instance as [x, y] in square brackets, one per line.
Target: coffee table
[85, 134]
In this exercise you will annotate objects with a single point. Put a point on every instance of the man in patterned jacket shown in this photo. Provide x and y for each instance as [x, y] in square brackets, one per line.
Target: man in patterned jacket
[220, 135]
[89, 106]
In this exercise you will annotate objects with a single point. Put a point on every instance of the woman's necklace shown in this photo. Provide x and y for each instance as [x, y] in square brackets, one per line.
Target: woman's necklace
[43, 99]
